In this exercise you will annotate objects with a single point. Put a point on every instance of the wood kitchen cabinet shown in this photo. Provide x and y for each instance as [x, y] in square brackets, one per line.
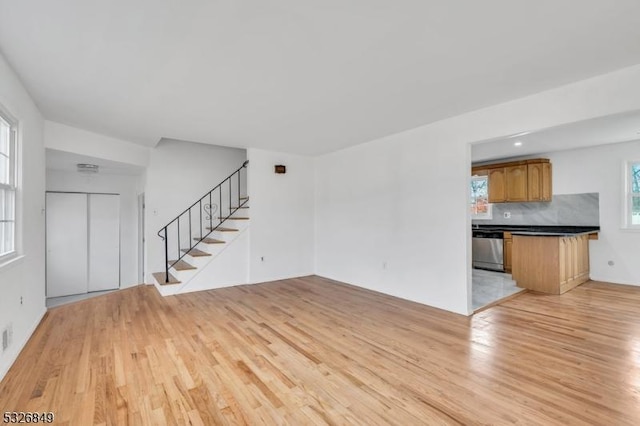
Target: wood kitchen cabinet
[479, 171]
[507, 250]
[497, 185]
[539, 181]
[573, 261]
[517, 181]
[550, 264]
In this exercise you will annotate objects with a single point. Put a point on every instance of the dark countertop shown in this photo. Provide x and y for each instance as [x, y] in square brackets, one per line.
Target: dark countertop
[537, 230]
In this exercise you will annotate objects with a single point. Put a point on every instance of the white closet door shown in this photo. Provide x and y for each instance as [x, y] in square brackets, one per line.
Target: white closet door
[66, 220]
[104, 242]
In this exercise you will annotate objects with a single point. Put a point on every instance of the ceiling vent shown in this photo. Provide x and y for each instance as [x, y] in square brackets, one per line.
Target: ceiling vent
[87, 168]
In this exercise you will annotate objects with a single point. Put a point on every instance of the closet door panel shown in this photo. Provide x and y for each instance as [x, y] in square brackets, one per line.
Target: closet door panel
[66, 221]
[104, 242]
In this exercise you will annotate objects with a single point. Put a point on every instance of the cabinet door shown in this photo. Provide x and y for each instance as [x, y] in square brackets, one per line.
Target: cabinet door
[508, 249]
[564, 260]
[534, 181]
[583, 256]
[547, 193]
[497, 185]
[516, 182]
[539, 181]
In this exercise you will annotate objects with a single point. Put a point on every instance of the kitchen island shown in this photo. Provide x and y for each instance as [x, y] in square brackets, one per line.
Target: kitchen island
[551, 261]
[548, 259]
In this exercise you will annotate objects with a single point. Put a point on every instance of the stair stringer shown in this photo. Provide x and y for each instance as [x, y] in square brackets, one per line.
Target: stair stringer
[228, 267]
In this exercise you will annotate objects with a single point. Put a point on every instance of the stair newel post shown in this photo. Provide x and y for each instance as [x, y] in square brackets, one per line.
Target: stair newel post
[220, 205]
[210, 211]
[166, 256]
[239, 173]
[200, 209]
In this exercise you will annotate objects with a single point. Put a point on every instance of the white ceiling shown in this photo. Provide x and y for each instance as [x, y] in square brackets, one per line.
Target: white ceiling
[67, 162]
[298, 75]
[598, 131]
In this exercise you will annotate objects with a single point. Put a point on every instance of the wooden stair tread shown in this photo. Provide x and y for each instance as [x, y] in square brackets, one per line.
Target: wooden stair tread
[195, 252]
[210, 241]
[244, 198]
[221, 229]
[239, 207]
[181, 265]
[234, 218]
[160, 276]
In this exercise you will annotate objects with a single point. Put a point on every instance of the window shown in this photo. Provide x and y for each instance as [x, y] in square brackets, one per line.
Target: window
[480, 207]
[8, 185]
[632, 174]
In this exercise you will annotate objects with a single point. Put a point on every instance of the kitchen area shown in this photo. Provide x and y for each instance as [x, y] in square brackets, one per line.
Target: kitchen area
[525, 237]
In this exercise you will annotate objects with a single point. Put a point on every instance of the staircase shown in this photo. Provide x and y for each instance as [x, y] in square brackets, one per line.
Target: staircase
[198, 239]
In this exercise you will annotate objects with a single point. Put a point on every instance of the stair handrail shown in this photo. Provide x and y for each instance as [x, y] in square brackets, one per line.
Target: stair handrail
[212, 228]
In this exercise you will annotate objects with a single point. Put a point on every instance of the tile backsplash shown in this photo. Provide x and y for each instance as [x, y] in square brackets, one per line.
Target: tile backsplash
[564, 209]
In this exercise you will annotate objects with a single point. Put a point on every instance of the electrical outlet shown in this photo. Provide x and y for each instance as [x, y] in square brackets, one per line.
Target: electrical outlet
[507, 215]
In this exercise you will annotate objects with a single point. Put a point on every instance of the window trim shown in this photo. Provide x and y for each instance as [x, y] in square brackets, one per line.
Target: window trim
[489, 214]
[14, 180]
[628, 196]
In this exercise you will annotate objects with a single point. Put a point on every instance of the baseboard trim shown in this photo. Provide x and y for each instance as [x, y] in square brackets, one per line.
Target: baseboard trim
[621, 282]
[30, 332]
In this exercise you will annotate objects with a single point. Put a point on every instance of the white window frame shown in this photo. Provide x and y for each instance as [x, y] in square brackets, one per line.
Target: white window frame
[11, 187]
[489, 214]
[629, 196]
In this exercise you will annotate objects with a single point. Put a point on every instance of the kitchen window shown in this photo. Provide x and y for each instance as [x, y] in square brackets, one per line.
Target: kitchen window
[480, 207]
[8, 184]
[632, 199]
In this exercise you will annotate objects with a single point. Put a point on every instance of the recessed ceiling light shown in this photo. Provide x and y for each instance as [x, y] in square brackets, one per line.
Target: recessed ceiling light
[517, 143]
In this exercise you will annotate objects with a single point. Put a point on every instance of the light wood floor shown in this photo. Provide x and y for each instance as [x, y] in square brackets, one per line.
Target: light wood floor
[312, 351]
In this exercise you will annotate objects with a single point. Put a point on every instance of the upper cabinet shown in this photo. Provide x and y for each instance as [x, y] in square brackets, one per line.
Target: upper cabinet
[539, 181]
[497, 185]
[516, 177]
[518, 181]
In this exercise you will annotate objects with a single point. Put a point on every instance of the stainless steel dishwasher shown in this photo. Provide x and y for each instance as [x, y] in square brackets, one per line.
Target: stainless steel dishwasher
[487, 250]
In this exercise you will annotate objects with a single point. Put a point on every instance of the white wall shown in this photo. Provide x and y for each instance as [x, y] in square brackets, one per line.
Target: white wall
[179, 173]
[403, 199]
[128, 187]
[600, 169]
[24, 277]
[282, 216]
[229, 267]
[70, 139]
[381, 221]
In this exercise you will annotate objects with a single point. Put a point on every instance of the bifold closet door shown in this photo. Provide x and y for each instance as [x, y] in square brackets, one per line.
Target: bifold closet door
[104, 242]
[67, 232]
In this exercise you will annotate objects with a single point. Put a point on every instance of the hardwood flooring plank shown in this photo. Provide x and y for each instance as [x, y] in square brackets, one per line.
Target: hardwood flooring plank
[313, 351]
